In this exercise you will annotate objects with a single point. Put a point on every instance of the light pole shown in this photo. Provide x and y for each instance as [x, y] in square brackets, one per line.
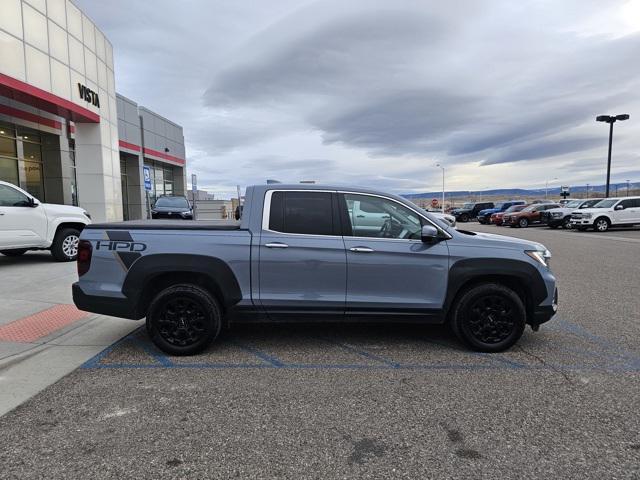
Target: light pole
[438, 165]
[610, 119]
[587, 190]
[627, 188]
[546, 188]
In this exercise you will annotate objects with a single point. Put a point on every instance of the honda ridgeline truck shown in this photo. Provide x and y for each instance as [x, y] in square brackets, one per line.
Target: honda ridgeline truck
[303, 252]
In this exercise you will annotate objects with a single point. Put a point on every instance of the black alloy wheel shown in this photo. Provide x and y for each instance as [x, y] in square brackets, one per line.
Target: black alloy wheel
[183, 319]
[489, 317]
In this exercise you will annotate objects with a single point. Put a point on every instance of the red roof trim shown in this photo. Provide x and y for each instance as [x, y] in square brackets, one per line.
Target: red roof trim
[30, 117]
[36, 97]
[164, 156]
[129, 146]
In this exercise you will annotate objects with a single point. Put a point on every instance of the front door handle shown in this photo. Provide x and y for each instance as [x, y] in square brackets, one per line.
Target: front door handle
[361, 249]
[276, 245]
[1, 213]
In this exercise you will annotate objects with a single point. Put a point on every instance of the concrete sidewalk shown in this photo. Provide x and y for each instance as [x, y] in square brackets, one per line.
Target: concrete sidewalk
[42, 335]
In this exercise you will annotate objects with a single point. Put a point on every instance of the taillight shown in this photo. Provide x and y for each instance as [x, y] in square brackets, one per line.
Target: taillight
[84, 256]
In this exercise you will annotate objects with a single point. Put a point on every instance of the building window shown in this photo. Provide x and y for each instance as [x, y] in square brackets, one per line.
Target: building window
[124, 179]
[8, 154]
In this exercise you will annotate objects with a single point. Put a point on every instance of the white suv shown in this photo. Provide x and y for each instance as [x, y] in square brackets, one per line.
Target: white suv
[27, 224]
[608, 212]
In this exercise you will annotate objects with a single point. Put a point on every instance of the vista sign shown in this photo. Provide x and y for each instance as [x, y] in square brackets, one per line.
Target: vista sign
[89, 95]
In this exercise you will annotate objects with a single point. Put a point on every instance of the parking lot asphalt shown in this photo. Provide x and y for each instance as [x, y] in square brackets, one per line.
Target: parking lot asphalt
[362, 401]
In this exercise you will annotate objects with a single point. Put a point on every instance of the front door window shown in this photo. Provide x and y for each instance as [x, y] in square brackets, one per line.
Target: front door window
[378, 217]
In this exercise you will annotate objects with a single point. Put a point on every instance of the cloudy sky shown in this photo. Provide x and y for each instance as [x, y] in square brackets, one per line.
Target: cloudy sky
[502, 93]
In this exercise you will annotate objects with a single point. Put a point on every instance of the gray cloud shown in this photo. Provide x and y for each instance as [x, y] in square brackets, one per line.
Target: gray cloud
[379, 89]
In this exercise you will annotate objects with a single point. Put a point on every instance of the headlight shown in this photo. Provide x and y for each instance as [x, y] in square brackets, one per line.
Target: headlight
[556, 214]
[540, 256]
[587, 215]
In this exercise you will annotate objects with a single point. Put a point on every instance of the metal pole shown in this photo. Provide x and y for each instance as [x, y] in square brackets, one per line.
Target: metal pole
[442, 189]
[546, 190]
[627, 188]
[606, 195]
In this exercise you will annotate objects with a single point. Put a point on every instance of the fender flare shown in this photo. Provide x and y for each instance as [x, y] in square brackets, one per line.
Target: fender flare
[464, 271]
[143, 270]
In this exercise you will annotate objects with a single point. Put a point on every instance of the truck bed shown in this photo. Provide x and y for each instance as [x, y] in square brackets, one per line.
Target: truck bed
[166, 225]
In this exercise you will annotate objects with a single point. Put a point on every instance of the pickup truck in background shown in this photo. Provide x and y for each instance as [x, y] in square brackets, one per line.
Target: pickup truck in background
[27, 224]
[469, 211]
[561, 216]
[305, 253]
[608, 212]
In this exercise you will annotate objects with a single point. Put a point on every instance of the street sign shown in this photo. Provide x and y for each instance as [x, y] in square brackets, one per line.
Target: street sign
[564, 191]
[564, 188]
[194, 183]
[147, 178]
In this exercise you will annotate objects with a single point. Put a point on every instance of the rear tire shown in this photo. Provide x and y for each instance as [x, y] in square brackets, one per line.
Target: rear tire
[601, 224]
[65, 245]
[183, 319]
[16, 252]
[488, 317]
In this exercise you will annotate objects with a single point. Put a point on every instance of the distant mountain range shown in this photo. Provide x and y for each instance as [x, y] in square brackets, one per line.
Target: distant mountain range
[523, 192]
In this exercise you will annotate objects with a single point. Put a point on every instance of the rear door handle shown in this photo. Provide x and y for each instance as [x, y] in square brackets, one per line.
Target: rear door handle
[361, 249]
[276, 245]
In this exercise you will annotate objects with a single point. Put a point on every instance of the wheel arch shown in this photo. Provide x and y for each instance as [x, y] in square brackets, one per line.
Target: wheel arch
[67, 224]
[152, 273]
[517, 275]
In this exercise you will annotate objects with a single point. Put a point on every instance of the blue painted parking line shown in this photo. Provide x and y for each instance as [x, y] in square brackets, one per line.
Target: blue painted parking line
[270, 359]
[615, 359]
[362, 353]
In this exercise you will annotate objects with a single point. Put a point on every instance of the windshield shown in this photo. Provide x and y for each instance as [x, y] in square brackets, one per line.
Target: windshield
[530, 208]
[499, 206]
[176, 202]
[467, 206]
[515, 208]
[605, 203]
[574, 204]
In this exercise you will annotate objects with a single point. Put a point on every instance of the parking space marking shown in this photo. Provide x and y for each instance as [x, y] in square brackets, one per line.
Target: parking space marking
[41, 324]
[610, 357]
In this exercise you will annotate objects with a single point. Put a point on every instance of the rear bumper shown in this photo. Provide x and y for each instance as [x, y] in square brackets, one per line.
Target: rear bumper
[114, 307]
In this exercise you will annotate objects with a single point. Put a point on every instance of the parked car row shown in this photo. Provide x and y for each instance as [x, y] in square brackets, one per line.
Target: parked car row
[598, 214]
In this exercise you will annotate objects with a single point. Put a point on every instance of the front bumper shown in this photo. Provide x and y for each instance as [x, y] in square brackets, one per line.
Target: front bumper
[583, 222]
[544, 313]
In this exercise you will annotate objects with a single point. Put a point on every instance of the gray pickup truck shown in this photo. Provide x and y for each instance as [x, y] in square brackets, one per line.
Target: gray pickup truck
[309, 252]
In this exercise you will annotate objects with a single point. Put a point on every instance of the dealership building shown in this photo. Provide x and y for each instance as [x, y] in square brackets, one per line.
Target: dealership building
[66, 136]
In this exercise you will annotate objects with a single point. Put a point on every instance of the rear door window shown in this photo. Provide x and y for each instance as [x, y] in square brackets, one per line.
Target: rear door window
[307, 213]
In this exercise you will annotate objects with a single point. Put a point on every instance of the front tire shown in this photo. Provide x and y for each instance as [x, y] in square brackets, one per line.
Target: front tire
[65, 245]
[16, 252]
[601, 224]
[183, 319]
[489, 317]
[566, 223]
[464, 218]
[523, 223]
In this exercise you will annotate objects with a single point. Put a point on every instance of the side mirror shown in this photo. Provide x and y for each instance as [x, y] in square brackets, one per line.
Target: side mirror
[429, 234]
[619, 207]
[33, 203]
